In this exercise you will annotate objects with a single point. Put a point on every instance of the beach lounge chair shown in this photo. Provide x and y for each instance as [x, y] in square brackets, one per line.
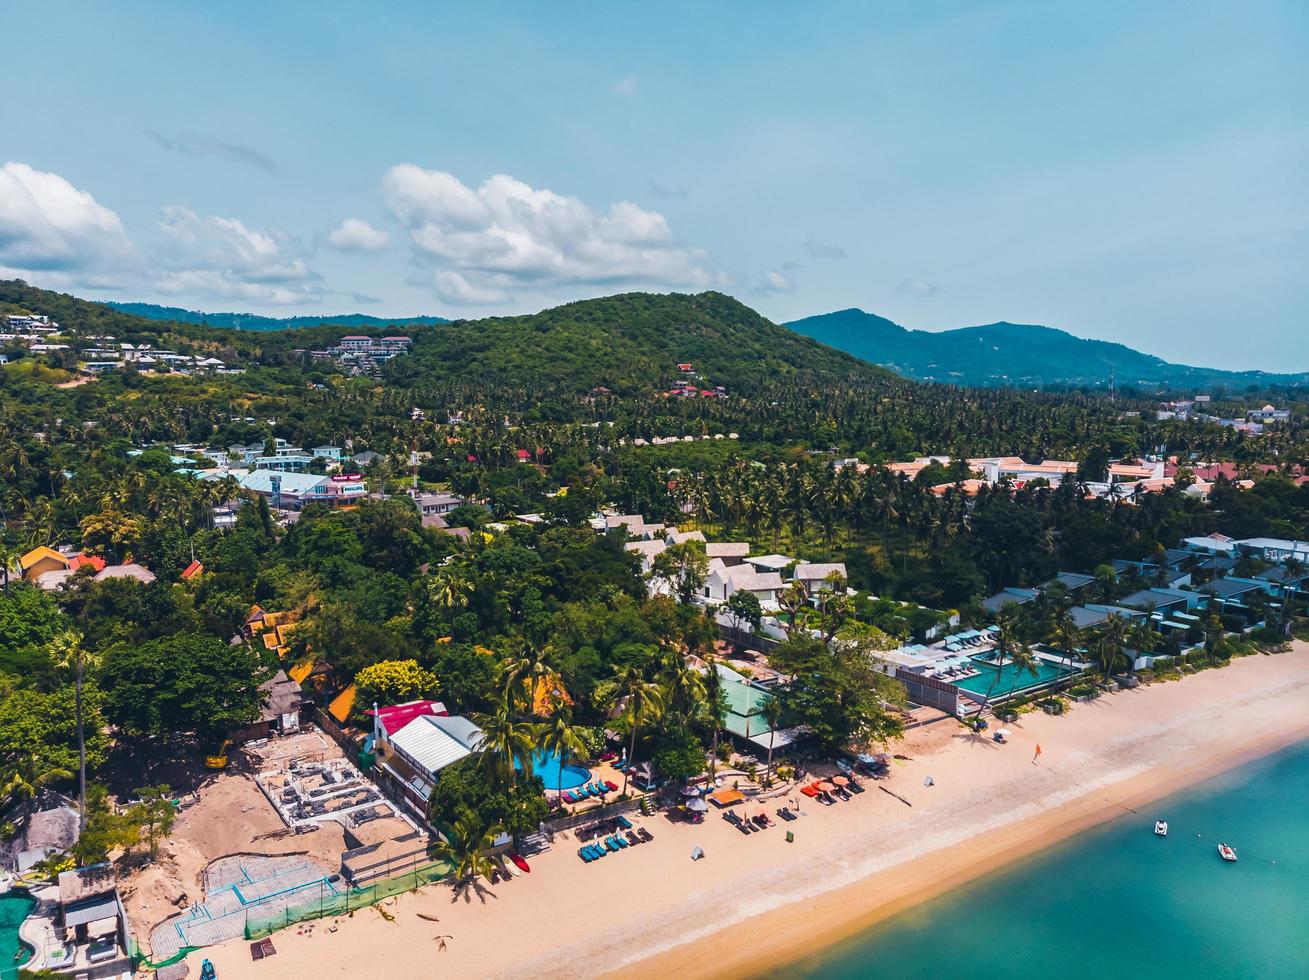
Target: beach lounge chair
[809, 791]
[596, 789]
[610, 845]
[644, 834]
[623, 822]
[613, 787]
[585, 854]
[632, 838]
[785, 813]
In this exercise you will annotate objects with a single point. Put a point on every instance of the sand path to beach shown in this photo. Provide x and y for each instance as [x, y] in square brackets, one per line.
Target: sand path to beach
[756, 901]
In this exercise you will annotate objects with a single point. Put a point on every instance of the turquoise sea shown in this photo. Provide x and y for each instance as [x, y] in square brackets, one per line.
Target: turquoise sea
[1119, 902]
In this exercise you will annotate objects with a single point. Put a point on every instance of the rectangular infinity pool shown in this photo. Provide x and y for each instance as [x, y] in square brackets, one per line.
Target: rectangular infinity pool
[1012, 678]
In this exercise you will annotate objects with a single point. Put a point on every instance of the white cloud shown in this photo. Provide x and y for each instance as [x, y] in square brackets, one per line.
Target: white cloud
[916, 287]
[357, 235]
[775, 282]
[505, 236]
[220, 258]
[48, 225]
[626, 86]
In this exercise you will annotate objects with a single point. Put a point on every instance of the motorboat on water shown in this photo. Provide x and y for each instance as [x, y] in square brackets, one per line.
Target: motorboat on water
[1226, 853]
[1161, 828]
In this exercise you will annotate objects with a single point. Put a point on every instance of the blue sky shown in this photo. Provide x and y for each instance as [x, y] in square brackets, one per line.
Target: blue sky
[1136, 172]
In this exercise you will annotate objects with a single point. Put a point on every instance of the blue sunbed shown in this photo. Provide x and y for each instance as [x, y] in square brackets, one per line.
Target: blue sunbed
[610, 845]
[621, 841]
[624, 822]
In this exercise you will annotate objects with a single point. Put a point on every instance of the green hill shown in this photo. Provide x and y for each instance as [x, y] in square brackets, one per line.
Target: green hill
[253, 321]
[1025, 355]
[626, 342]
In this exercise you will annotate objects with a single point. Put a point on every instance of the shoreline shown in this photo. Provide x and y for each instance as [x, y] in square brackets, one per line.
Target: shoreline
[757, 904]
[786, 944]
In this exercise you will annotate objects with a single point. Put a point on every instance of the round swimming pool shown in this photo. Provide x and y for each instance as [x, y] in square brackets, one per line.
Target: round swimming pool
[546, 765]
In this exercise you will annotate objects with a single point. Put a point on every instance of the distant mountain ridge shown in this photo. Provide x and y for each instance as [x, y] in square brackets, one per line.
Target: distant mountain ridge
[253, 321]
[1015, 354]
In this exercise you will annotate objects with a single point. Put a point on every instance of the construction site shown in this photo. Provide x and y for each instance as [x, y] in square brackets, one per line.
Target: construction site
[292, 831]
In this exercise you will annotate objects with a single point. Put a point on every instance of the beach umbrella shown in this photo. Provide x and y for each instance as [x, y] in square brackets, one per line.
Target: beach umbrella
[697, 805]
[840, 781]
[696, 853]
[690, 791]
[823, 786]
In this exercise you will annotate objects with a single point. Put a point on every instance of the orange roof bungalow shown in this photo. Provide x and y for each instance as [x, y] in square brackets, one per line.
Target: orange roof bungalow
[40, 560]
[193, 571]
[546, 696]
[343, 705]
[969, 488]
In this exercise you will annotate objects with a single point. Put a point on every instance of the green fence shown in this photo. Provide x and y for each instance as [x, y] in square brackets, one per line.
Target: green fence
[329, 902]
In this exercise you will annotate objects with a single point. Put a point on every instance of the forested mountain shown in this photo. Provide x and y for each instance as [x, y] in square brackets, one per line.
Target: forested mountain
[628, 342]
[253, 321]
[1017, 354]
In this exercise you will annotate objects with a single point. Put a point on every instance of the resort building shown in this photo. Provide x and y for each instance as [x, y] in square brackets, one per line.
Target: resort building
[746, 712]
[293, 491]
[816, 577]
[419, 750]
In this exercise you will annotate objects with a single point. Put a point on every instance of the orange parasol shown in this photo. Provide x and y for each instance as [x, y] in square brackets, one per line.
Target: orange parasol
[823, 786]
[840, 781]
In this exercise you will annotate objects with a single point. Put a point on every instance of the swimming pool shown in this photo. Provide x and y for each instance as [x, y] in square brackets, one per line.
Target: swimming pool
[1012, 678]
[546, 765]
[14, 908]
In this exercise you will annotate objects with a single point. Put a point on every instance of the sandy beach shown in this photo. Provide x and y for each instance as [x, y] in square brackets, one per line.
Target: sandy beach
[756, 902]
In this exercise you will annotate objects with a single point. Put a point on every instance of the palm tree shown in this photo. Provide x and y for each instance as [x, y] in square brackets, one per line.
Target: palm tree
[560, 738]
[448, 590]
[642, 701]
[1066, 636]
[508, 743]
[772, 711]
[1008, 644]
[713, 693]
[466, 849]
[66, 651]
[27, 776]
[1108, 647]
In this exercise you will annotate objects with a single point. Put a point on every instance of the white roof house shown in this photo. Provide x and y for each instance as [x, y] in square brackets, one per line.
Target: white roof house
[770, 563]
[647, 550]
[429, 743]
[723, 580]
[814, 576]
[731, 552]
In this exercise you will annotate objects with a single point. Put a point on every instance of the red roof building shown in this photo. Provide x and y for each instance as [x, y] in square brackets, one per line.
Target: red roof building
[192, 570]
[396, 716]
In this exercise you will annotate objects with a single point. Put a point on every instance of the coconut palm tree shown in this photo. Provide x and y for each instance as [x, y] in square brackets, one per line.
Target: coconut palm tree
[642, 700]
[508, 743]
[1066, 636]
[772, 712]
[66, 651]
[1111, 639]
[558, 737]
[23, 779]
[1008, 645]
[466, 849]
[713, 698]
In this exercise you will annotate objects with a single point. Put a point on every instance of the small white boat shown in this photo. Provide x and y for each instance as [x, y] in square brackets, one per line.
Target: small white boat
[1226, 853]
[1161, 828]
